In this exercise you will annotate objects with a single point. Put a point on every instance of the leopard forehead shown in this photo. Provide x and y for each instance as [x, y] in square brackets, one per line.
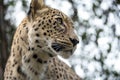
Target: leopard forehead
[51, 15]
[52, 22]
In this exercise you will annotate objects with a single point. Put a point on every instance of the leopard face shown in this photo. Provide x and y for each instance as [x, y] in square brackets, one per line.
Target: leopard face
[55, 32]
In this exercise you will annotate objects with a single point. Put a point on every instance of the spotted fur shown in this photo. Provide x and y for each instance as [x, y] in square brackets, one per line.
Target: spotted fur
[41, 36]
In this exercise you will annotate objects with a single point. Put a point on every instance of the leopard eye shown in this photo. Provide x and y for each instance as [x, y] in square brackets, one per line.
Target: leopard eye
[59, 20]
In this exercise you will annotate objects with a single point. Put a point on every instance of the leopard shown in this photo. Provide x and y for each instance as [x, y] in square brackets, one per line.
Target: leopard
[43, 35]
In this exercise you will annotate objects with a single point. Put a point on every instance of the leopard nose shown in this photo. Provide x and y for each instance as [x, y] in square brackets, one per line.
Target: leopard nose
[74, 41]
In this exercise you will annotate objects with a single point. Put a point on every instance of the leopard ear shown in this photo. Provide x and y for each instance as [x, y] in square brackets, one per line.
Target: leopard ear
[37, 4]
[35, 7]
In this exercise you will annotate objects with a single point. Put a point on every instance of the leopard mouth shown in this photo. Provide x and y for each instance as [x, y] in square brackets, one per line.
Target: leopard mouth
[63, 50]
[57, 47]
[61, 47]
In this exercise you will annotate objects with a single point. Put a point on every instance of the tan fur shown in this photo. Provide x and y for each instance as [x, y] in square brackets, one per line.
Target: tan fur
[41, 36]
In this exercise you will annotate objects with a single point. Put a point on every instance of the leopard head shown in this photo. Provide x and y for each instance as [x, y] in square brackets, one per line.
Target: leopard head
[53, 30]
